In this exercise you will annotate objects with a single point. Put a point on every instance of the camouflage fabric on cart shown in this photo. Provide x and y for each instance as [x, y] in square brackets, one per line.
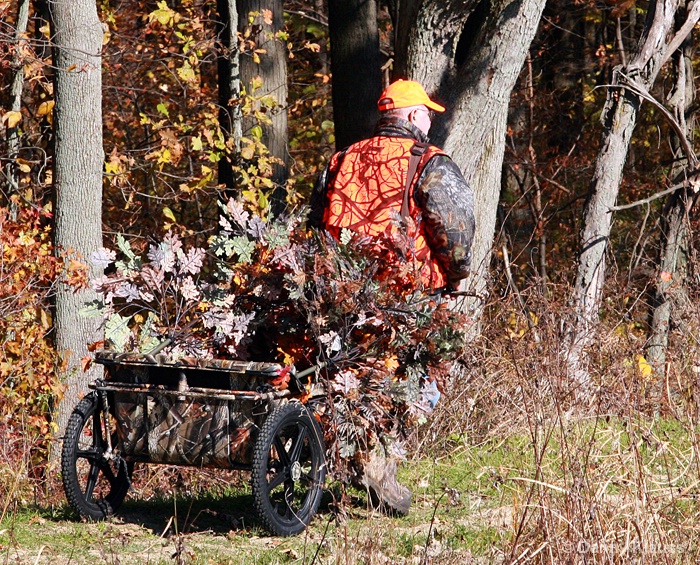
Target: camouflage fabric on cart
[145, 360]
[161, 426]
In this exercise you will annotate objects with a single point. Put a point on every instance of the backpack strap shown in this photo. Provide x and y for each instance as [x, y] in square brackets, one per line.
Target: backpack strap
[338, 163]
[319, 195]
[417, 151]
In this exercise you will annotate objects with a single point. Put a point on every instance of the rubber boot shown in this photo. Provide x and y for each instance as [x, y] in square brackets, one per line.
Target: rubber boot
[386, 493]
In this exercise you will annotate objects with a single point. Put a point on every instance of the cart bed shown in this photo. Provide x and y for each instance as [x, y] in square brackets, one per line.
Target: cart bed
[188, 411]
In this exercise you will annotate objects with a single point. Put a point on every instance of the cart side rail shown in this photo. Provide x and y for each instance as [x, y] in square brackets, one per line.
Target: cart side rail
[191, 392]
[252, 368]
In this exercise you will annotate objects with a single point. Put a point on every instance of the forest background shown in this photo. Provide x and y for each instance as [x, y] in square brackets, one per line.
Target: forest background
[572, 120]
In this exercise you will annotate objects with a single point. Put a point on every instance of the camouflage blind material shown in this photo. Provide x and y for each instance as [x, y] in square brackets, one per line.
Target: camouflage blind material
[186, 411]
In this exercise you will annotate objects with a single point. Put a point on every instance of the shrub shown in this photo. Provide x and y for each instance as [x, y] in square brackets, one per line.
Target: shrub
[269, 290]
[29, 385]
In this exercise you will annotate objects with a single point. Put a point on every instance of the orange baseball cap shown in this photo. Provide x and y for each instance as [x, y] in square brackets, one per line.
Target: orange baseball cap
[405, 93]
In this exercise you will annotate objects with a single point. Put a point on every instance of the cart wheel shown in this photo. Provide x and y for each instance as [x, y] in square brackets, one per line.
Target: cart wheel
[94, 485]
[289, 469]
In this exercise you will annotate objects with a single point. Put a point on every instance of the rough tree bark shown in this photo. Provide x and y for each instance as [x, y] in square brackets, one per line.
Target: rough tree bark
[427, 37]
[673, 257]
[272, 70]
[619, 119]
[470, 54]
[357, 79]
[78, 161]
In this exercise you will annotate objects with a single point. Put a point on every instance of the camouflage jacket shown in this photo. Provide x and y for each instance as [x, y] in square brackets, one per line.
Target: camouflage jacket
[445, 201]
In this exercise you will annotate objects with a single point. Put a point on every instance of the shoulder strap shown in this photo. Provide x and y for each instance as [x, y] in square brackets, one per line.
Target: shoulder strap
[319, 195]
[338, 163]
[417, 151]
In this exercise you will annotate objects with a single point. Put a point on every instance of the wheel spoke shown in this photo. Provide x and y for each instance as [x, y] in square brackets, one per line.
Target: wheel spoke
[96, 429]
[295, 452]
[276, 481]
[108, 473]
[89, 454]
[92, 480]
[282, 509]
[282, 452]
[289, 497]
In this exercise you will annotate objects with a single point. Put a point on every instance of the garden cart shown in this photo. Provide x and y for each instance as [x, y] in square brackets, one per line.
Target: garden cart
[151, 408]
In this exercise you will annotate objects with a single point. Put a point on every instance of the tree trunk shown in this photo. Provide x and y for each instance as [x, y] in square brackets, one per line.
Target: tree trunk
[427, 39]
[355, 66]
[670, 278]
[229, 85]
[272, 70]
[403, 15]
[13, 138]
[78, 161]
[620, 122]
[475, 82]
[619, 119]
[673, 260]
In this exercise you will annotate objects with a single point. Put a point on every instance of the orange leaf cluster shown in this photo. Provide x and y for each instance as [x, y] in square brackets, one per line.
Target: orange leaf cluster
[28, 275]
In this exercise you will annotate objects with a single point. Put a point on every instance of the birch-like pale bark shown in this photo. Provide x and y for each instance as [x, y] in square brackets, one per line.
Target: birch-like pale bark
[673, 257]
[619, 119]
[16, 88]
[272, 72]
[228, 66]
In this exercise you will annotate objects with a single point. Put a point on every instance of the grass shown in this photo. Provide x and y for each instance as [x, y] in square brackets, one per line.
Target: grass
[220, 528]
[550, 487]
[464, 503]
[478, 501]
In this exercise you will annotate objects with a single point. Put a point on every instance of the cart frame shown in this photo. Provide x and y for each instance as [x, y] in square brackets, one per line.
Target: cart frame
[246, 416]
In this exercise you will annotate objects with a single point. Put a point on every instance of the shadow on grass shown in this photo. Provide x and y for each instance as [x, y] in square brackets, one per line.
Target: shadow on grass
[218, 514]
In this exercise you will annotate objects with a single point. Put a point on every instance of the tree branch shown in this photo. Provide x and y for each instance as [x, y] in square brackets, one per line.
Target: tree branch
[693, 182]
[683, 32]
[639, 90]
[514, 288]
[693, 179]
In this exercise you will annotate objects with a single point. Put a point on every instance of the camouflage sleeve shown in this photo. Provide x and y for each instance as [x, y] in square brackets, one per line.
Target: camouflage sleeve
[447, 207]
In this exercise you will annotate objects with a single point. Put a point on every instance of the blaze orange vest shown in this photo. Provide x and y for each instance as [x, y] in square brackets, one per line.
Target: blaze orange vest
[366, 192]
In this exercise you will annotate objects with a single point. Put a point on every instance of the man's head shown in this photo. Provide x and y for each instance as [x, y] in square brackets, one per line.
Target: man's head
[408, 100]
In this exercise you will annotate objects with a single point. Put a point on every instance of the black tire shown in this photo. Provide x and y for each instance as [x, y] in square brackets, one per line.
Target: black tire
[94, 485]
[289, 469]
